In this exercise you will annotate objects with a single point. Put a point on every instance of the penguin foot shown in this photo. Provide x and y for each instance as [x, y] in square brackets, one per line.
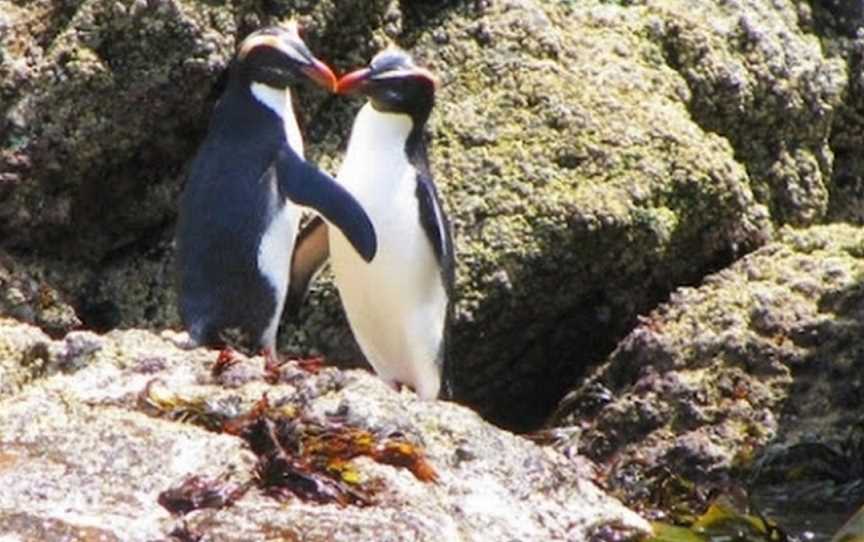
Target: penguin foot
[272, 366]
[311, 365]
[225, 359]
[401, 388]
[398, 387]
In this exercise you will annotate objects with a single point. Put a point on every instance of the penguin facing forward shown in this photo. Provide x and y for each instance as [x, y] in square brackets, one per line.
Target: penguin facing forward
[238, 213]
[398, 304]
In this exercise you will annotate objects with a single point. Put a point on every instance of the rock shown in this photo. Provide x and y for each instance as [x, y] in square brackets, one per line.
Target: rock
[759, 81]
[83, 455]
[101, 108]
[839, 24]
[23, 353]
[765, 352]
[29, 297]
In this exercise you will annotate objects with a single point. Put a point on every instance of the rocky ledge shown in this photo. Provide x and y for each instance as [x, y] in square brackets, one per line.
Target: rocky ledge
[124, 436]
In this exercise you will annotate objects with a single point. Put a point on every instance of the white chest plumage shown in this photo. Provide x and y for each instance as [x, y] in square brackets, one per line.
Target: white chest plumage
[274, 252]
[396, 304]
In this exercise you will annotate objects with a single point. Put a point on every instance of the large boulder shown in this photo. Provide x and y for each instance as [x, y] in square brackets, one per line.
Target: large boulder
[761, 358]
[102, 103]
[90, 449]
[759, 78]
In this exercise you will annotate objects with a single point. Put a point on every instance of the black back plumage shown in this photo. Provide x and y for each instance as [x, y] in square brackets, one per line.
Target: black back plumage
[229, 200]
[241, 178]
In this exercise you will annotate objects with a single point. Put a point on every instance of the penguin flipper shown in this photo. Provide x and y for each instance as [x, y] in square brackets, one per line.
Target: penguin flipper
[436, 226]
[311, 252]
[306, 185]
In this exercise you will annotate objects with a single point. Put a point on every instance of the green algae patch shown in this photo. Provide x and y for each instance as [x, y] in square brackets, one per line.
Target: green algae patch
[718, 523]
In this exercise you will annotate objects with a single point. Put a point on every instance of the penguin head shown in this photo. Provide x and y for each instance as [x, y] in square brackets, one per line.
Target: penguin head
[277, 57]
[393, 84]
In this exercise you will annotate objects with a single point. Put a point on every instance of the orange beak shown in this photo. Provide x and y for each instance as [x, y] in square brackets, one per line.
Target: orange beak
[350, 83]
[321, 74]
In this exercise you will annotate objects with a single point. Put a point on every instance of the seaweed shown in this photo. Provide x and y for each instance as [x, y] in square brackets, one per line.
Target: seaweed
[195, 493]
[297, 455]
[721, 522]
[311, 460]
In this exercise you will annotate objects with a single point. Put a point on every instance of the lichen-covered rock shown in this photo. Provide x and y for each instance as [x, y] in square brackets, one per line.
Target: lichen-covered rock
[23, 348]
[31, 298]
[766, 351]
[756, 78]
[84, 456]
[100, 100]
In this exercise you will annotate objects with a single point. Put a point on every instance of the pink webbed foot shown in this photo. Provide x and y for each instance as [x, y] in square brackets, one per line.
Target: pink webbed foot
[311, 365]
[224, 360]
[272, 365]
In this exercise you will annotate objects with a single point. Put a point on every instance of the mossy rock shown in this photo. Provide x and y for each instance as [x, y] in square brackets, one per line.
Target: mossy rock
[759, 78]
[766, 352]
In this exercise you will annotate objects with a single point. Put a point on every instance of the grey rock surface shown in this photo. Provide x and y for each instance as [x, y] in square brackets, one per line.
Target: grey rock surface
[82, 458]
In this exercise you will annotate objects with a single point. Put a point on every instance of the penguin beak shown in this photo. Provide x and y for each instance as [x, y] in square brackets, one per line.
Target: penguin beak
[353, 82]
[321, 74]
[356, 81]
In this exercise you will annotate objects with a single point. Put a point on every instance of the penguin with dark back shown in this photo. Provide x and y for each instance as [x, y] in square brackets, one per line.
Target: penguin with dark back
[239, 211]
[399, 305]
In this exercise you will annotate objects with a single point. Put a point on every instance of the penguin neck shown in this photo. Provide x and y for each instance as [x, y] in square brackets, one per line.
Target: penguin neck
[382, 133]
[279, 101]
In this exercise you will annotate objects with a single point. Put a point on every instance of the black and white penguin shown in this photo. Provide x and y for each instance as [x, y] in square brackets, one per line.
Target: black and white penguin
[237, 215]
[399, 303]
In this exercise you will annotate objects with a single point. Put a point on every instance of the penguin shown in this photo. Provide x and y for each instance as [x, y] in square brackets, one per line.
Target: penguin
[240, 207]
[399, 304]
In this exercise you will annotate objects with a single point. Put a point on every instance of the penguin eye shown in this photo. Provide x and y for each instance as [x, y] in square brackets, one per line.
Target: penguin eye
[273, 68]
[273, 76]
[407, 92]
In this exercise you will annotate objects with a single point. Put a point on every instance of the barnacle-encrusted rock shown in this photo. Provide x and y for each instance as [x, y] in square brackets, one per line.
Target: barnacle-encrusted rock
[765, 352]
